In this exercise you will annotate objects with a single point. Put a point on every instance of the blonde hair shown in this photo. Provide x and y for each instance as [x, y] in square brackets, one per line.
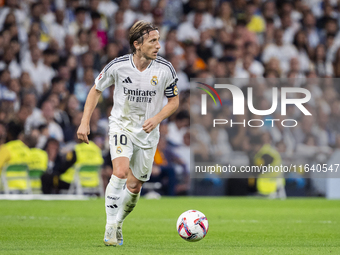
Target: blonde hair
[137, 32]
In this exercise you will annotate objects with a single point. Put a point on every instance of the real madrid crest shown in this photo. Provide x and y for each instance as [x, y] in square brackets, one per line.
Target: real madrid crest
[119, 150]
[175, 90]
[154, 81]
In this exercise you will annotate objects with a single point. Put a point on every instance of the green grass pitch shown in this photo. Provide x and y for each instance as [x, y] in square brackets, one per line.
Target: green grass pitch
[236, 226]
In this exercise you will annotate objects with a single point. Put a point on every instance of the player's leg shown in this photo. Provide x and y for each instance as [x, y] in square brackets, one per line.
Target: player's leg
[113, 198]
[140, 171]
[129, 199]
[120, 155]
[130, 196]
[114, 188]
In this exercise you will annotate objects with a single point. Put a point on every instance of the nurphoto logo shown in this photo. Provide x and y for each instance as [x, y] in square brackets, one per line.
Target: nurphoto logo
[238, 105]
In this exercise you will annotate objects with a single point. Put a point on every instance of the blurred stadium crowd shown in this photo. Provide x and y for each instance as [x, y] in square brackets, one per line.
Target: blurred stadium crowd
[51, 52]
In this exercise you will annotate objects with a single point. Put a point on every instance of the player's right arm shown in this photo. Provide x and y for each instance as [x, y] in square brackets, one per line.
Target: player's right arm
[104, 80]
[90, 105]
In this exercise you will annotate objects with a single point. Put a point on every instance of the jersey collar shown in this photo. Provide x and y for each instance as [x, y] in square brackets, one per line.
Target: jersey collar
[133, 65]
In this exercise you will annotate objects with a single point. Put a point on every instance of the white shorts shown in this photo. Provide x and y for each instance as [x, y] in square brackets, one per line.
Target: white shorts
[141, 159]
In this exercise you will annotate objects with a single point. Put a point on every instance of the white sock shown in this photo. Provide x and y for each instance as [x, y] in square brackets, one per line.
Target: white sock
[113, 197]
[129, 201]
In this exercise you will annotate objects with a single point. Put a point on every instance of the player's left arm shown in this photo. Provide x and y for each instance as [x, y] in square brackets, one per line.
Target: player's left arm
[168, 109]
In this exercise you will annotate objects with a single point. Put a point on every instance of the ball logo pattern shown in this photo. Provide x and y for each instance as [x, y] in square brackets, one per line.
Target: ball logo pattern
[192, 225]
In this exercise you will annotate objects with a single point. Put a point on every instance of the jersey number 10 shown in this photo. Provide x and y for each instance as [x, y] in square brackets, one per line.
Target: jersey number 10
[122, 139]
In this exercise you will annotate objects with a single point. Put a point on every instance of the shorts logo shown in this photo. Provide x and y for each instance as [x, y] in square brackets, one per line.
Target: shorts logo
[119, 150]
[175, 90]
[154, 81]
[144, 176]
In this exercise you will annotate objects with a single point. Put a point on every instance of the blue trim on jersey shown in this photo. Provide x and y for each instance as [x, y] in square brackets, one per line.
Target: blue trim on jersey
[131, 56]
[150, 63]
[116, 60]
[168, 64]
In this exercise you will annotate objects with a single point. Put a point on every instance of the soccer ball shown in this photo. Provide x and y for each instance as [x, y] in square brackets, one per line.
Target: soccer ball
[192, 225]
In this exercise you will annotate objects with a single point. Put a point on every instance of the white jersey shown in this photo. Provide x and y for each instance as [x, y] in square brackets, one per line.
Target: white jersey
[138, 95]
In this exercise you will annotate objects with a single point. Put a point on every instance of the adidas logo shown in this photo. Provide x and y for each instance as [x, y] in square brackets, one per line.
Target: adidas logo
[112, 206]
[144, 176]
[127, 80]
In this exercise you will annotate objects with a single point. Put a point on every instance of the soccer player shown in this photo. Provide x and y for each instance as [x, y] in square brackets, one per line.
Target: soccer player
[141, 80]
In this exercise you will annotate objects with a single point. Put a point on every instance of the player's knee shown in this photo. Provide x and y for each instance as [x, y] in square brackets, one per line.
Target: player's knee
[120, 172]
[134, 187]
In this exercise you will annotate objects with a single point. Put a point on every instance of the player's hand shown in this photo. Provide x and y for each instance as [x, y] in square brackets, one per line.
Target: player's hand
[83, 132]
[150, 124]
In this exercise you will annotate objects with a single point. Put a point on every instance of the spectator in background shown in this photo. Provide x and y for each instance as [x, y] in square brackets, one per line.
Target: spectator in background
[164, 164]
[183, 173]
[171, 10]
[87, 62]
[204, 48]
[129, 14]
[145, 11]
[241, 32]
[96, 126]
[29, 100]
[102, 20]
[7, 105]
[94, 48]
[190, 31]
[54, 157]
[225, 19]
[15, 151]
[17, 122]
[118, 22]
[194, 63]
[72, 106]
[71, 130]
[37, 71]
[58, 29]
[58, 87]
[12, 6]
[63, 176]
[158, 21]
[310, 28]
[308, 148]
[68, 73]
[82, 88]
[96, 29]
[47, 118]
[255, 21]
[81, 46]
[219, 145]
[178, 128]
[60, 115]
[322, 67]
[9, 62]
[300, 42]
[283, 52]
[66, 51]
[252, 66]
[51, 57]
[80, 22]
[48, 16]
[111, 52]
[107, 7]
